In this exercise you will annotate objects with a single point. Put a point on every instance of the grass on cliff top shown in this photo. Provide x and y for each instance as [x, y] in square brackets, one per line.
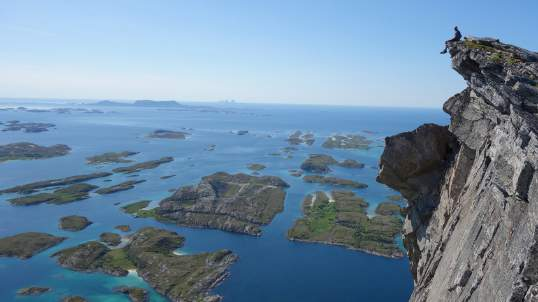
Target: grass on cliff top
[498, 56]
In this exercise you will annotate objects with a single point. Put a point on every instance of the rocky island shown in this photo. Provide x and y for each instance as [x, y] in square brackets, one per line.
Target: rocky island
[27, 151]
[32, 187]
[349, 141]
[169, 134]
[73, 299]
[27, 127]
[74, 223]
[351, 164]
[339, 218]
[298, 138]
[152, 164]
[33, 291]
[471, 230]
[124, 186]
[150, 253]
[68, 194]
[237, 203]
[123, 227]
[335, 181]
[255, 167]
[26, 245]
[318, 163]
[110, 157]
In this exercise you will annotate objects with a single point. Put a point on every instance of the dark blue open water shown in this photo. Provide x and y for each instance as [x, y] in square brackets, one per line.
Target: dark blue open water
[270, 267]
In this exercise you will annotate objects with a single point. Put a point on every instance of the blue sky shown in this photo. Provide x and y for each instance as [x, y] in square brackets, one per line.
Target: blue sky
[377, 53]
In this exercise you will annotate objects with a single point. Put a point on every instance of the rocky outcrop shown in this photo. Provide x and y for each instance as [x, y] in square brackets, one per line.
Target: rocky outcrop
[237, 203]
[471, 227]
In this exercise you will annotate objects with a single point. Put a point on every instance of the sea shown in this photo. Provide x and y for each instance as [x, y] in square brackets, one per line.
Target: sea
[270, 268]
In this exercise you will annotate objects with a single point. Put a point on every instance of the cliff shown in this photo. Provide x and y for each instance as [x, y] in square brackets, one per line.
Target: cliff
[471, 228]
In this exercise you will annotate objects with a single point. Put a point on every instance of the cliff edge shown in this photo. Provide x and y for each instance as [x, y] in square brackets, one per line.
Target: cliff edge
[471, 228]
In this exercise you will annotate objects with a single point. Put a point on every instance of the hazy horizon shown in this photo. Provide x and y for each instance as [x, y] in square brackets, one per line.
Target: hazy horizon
[353, 53]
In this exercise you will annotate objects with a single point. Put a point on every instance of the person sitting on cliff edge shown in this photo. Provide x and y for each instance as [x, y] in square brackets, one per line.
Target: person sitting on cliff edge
[457, 37]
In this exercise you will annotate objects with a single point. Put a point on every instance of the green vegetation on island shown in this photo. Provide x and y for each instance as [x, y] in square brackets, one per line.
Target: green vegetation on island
[126, 185]
[135, 207]
[143, 165]
[26, 245]
[335, 181]
[76, 192]
[238, 203]
[110, 157]
[150, 252]
[93, 256]
[74, 223]
[340, 218]
[27, 151]
[349, 141]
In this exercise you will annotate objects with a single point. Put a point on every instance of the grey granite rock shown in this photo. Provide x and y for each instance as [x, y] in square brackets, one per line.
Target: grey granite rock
[471, 228]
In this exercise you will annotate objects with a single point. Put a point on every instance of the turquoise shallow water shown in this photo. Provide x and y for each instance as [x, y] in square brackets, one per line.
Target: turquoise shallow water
[270, 268]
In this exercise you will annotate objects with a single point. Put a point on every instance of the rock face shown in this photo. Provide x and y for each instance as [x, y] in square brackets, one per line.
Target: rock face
[232, 202]
[471, 228]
